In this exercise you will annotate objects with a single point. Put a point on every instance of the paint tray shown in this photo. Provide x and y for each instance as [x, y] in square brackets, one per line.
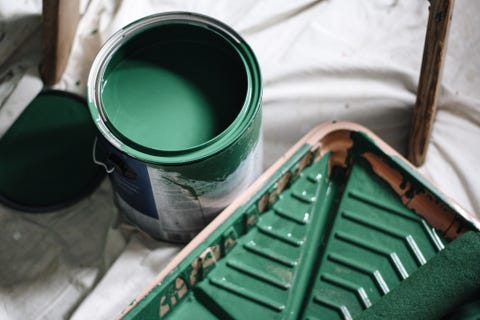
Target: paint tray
[329, 229]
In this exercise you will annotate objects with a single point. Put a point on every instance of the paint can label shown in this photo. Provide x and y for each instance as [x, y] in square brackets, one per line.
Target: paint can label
[172, 207]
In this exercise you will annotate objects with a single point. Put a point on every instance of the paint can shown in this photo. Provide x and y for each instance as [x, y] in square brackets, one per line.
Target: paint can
[176, 98]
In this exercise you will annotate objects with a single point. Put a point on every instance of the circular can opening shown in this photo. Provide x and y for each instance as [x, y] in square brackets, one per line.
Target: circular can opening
[174, 84]
[174, 87]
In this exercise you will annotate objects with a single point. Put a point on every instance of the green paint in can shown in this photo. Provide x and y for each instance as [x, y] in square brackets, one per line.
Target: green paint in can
[176, 98]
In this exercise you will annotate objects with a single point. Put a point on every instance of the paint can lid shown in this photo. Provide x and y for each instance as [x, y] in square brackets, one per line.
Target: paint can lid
[46, 155]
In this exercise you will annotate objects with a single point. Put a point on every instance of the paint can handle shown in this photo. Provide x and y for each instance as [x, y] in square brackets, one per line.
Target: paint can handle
[96, 161]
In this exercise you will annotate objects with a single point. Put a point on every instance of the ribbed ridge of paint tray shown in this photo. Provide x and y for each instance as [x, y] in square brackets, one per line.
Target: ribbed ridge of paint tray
[283, 269]
[315, 241]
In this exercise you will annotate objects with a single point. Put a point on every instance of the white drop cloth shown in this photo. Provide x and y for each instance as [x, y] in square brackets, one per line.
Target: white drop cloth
[321, 61]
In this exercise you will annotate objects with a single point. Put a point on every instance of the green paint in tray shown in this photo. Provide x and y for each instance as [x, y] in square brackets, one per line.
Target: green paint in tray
[320, 238]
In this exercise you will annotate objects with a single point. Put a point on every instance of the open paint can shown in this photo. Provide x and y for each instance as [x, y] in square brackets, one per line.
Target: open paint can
[177, 100]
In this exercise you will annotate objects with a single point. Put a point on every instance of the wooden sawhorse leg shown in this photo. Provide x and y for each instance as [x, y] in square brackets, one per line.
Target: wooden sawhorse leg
[430, 77]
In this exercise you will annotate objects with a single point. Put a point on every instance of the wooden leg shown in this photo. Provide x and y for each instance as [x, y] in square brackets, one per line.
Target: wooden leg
[59, 24]
[430, 77]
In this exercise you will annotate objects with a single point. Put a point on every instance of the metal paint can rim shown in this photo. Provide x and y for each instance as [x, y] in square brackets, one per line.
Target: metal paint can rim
[248, 111]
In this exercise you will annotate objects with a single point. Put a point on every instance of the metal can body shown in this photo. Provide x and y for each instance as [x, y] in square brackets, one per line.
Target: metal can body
[173, 202]
[180, 167]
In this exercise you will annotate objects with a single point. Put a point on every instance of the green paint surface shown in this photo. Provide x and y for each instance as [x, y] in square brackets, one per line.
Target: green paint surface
[45, 157]
[174, 88]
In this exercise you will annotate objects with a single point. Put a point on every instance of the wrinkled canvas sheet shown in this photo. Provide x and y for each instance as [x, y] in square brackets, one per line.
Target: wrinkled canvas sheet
[321, 61]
